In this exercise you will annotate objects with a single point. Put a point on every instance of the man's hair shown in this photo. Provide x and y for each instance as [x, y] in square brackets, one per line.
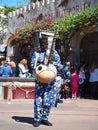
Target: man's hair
[43, 41]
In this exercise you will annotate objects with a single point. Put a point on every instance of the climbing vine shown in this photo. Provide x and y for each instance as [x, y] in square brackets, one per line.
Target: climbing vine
[68, 25]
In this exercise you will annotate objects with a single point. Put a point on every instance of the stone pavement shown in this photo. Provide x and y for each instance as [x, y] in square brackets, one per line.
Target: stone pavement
[81, 114]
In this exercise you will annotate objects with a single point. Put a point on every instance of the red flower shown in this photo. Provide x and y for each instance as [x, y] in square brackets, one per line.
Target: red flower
[50, 20]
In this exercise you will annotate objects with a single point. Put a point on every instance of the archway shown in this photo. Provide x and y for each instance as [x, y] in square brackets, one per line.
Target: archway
[89, 47]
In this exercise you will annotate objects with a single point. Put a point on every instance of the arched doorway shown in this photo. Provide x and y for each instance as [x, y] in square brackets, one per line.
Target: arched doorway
[89, 47]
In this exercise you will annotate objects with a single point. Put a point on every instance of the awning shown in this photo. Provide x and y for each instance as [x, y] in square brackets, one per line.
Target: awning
[2, 47]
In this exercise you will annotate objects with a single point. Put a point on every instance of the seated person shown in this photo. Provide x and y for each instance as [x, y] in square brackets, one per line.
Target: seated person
[23, 70]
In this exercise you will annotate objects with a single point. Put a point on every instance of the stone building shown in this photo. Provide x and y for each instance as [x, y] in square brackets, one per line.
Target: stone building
[39, 10]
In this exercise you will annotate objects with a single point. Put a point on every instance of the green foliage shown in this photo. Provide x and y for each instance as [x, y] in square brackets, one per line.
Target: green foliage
[5, 10]
[8, 9]
[68, 25]
[72, 23]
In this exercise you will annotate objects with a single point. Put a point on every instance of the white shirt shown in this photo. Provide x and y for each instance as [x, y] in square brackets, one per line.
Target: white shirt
[22, 70]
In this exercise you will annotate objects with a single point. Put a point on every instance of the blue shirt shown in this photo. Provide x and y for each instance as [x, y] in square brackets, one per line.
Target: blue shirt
[39, 56]
[6, 70]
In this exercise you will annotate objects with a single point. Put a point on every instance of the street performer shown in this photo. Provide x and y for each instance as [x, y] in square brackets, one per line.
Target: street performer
[45, 93]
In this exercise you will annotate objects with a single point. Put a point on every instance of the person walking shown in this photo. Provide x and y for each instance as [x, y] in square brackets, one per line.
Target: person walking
[45, 93]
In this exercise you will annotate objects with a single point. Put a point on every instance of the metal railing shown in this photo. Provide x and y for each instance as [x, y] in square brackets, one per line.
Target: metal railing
[18, 79]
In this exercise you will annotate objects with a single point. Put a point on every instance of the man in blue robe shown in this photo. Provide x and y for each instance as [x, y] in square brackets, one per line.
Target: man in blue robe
[45, 93]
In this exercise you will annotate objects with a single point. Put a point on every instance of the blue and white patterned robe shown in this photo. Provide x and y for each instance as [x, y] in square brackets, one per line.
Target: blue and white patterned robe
[45, 94]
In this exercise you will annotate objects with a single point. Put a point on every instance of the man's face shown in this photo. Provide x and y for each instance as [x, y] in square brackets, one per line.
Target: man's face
[44, 46]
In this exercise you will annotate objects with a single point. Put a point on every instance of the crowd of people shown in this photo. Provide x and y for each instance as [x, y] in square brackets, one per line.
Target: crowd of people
[9, 69]
[77, 83]
[81, 82]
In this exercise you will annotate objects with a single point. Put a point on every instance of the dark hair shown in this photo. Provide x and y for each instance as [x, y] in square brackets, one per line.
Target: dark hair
[72, 70]
[43, 41]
